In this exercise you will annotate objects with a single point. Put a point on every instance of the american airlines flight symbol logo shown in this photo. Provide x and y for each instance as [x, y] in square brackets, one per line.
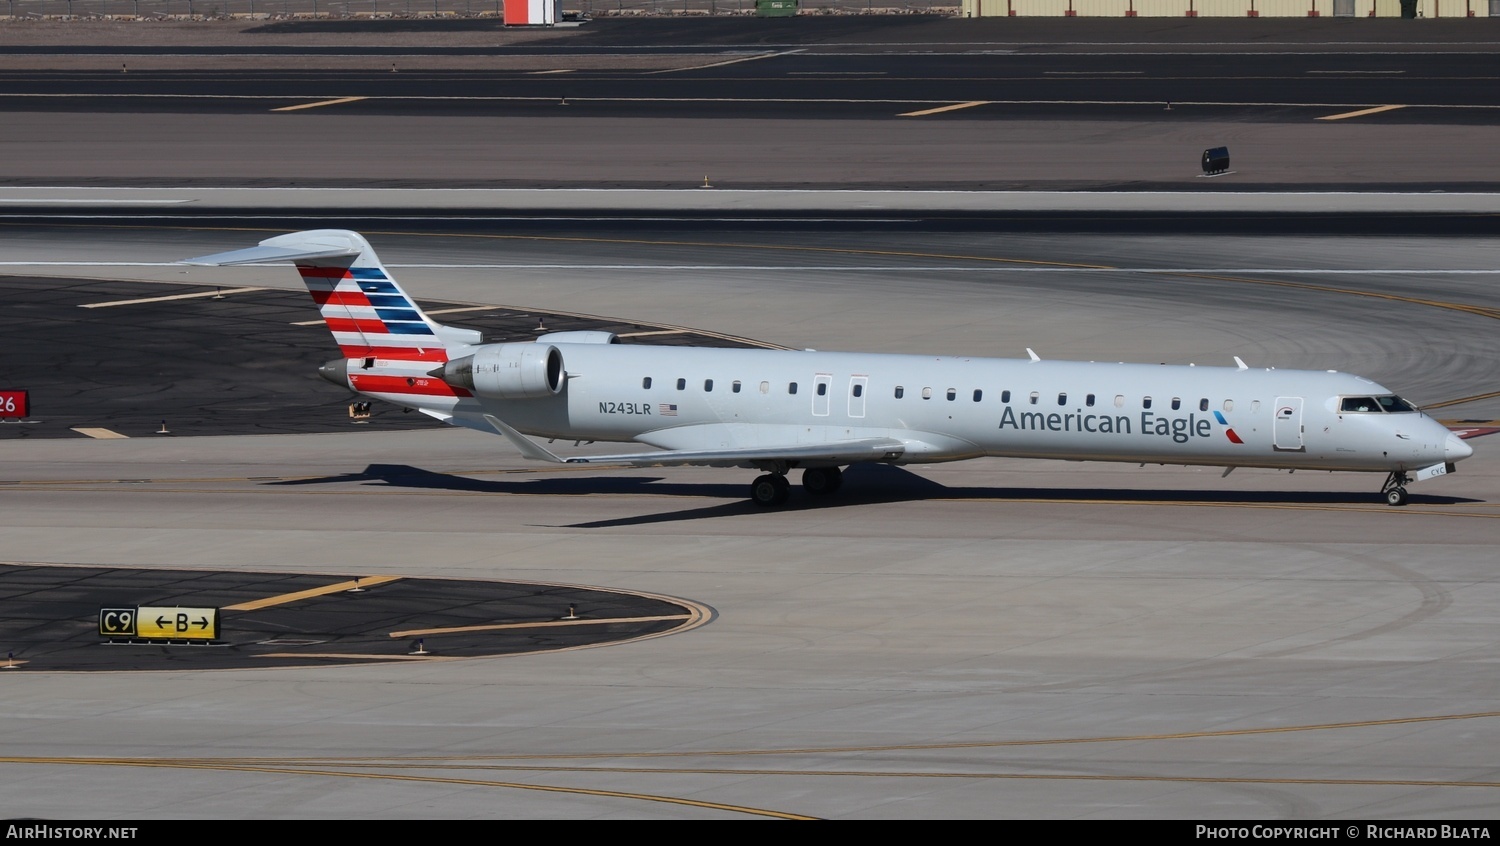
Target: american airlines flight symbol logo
[1228, 430]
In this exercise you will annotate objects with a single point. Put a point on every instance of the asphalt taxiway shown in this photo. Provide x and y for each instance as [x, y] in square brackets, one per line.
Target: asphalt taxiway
[979, 639]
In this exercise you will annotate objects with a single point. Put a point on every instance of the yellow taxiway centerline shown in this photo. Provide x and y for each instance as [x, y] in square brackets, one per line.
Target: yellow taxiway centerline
[1360, 113]
[340, 587]
[219, 292]
[541, 625]
[319, 104]
[950, 108]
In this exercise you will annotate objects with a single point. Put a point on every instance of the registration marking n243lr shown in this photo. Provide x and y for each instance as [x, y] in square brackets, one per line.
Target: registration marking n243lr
[624, 408]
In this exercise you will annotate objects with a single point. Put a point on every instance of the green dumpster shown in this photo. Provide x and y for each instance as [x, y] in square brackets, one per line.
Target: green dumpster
[775, 8]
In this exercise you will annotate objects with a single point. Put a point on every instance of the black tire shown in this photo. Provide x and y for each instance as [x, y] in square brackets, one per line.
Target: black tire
[822, 481]
[1395, 496]
[769, 490]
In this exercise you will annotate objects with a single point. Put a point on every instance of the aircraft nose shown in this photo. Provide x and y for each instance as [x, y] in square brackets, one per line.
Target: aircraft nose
[1454, 449]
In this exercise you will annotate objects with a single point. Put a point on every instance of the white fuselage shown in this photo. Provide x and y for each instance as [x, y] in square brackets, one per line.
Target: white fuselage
[946, 408]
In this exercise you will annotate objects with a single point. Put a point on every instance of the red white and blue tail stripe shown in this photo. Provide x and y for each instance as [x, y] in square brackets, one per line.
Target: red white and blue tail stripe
[374, 321]
[369, 315]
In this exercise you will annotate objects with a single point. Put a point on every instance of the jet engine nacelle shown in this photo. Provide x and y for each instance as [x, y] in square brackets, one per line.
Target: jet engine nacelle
[508, 371]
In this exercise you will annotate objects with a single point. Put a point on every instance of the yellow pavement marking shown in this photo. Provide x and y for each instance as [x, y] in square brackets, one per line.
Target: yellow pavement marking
[233, 765]
[722, 64]
[953, 107]
[1481, 311]
[653, 332]
[466, 308]
[101, 434]
[353, 656]
[200, 294]
[1360, 113]
[320, 103]
[559, 70]
[318, 322]
[542, 625]
[340, 587]
[1462, 400]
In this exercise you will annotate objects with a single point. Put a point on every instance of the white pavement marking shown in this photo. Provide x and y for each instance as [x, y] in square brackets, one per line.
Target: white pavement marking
[31, 202]
[221, 292]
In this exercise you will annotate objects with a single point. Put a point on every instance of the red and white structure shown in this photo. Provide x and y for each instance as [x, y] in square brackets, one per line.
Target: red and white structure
[530, 12]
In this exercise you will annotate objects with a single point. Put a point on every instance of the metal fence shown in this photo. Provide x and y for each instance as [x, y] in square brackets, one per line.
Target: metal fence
[212, 9]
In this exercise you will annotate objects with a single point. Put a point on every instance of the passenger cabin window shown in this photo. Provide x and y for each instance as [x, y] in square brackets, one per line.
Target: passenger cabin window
[708, 385]
[735, 386]
[1034, 397]
[1254, 406]
[1176, 403]
[1203, 404]
[1229, 405]
[681, 384]
[791, 387]
[1119, 400]
[1089, 400]
[1145, 402]
[1359, 404]
[900, 392]
[1005, 396]
[859, 390]
[952, 394]
[978, 395]
[1062, 399]
[646, 383]
[765, 387]
[926, 393]
[822, 389]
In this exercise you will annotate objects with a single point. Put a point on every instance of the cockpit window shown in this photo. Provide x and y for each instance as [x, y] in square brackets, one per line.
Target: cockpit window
[1359, 404]
[1395, 404]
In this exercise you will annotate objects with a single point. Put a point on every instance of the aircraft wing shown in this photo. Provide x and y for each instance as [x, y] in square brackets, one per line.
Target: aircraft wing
[841, 452]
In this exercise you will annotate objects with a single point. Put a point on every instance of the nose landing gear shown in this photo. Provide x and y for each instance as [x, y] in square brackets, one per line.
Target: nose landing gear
[1395, 488]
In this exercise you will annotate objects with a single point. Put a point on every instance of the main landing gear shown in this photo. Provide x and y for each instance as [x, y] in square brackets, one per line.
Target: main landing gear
[1395, 488]
[773, 489]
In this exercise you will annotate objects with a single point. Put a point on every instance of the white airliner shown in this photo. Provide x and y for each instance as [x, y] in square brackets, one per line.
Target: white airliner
[776, 410]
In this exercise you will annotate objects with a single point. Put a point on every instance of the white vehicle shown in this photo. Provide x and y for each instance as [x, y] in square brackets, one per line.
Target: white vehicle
[776, 410]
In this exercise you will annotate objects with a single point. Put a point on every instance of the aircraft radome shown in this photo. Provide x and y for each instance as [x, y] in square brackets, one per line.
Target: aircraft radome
[776, 410]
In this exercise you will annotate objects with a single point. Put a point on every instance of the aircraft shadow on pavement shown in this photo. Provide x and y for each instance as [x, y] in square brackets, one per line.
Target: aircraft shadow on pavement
[863, 485]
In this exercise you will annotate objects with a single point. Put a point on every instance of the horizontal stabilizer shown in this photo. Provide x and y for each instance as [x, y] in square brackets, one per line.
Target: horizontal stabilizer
[283, 248]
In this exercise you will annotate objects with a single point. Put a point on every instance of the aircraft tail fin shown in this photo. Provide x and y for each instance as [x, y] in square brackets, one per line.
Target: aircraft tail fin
[368, 313]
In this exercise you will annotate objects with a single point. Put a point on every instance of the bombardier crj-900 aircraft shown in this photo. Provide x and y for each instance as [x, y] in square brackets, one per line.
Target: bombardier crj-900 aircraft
[776, 410]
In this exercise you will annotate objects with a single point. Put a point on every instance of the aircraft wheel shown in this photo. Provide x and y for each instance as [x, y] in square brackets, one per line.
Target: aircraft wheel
[821, 481]
[1395, 496]
[770, 490]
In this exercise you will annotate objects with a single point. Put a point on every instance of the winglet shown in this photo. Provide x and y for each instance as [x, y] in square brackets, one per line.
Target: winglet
[529, 448]
[1241, 363]
[1032, 353]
